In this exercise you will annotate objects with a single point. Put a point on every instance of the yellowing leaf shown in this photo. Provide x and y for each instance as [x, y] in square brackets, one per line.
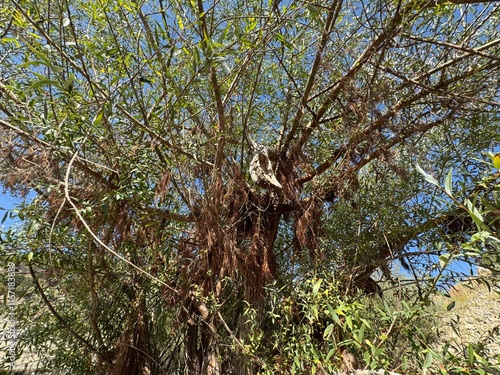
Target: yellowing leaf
[496, 161]
[179, 21]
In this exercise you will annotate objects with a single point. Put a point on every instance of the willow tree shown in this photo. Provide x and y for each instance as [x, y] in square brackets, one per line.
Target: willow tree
[132, 127]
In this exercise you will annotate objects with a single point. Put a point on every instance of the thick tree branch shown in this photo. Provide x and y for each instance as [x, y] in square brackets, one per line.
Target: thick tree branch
[372, 49]
[10, 94]
[369, 51]
[221, 128]
[469, 51]
[333, 12]
[385, 118]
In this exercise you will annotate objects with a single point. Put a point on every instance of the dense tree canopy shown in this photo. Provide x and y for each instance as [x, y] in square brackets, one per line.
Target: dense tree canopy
[138, 130]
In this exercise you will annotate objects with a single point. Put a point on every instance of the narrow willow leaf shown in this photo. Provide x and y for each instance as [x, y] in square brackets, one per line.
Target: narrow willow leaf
[4, 216]
[330, 353]
[336, 319]
[428, 360]
[470, 352]
[444, 259]
[68, 83]
[32, 228]
[361, 334]
[475, 214]
[448, 183]
[98, 118]
[427, 176]
[328, 330]
[313, 10]
[45, 82]
[316, 287]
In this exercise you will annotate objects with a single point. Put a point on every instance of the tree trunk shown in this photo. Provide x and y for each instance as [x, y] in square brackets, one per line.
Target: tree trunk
[202, 345]
[132, 348]
[260, 267]
[211, 362]
[192, 355]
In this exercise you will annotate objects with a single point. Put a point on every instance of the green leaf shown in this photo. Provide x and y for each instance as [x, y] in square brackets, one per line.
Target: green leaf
[450, 306]
[285, 41]
[365, 323]
[448, 183]
[69, 81]
[470, 352]
[330, 353]
[444, 260]
[45, 82]
[32, 227]
[316, 287]
[43, 59]
[361, 334]
[225, 32]
[5, 217]
[336, 319]
[98, 118]
[366, 357]
[246, 42]
[296, 360]
[428, 360]
[313, 10]
[11, 40]
[328, 330]
[251, 25]
[427, 176]
[30, 256]
[475, 214]
[348, 321]
[314, 309]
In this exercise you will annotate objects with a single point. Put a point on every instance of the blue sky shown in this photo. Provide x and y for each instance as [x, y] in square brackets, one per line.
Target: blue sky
[7, 203]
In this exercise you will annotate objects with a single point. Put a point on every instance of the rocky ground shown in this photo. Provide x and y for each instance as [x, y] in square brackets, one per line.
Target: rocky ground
[474, 318]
